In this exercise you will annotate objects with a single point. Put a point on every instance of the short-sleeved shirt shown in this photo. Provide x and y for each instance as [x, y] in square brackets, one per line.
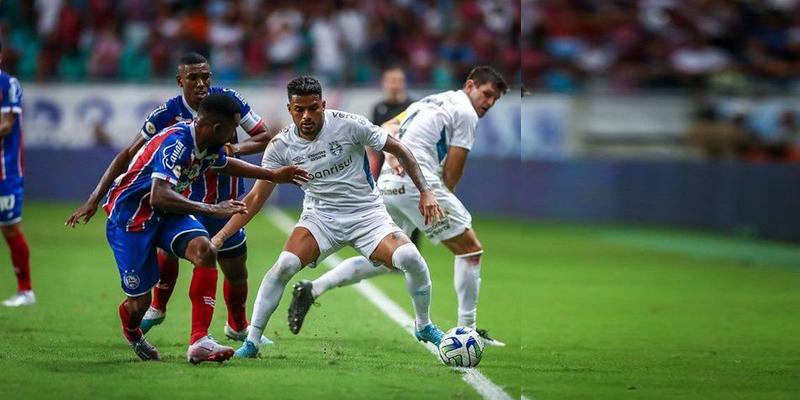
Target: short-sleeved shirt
[429, 127]
[171, 155]
[11, 145]
[336, 159]
[213, 188]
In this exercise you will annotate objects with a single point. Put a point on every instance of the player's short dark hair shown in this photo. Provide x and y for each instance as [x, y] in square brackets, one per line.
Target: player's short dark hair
[192, 58]
[303, 86]
[220, 106]
[484, 73]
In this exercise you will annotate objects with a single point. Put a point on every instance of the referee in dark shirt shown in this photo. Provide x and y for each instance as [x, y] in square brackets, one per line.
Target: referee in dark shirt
[395, 100]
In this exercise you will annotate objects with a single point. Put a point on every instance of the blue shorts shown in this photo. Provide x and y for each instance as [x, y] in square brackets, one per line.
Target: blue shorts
[10, 202]
[135, 252]
[235, 246]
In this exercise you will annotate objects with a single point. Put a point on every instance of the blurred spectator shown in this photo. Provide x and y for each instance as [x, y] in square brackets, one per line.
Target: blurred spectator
[395, 100]
[716, 137]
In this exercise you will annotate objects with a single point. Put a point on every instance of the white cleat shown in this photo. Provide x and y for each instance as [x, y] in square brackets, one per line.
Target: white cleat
[240, 336]
[23, 298]
[207, 349]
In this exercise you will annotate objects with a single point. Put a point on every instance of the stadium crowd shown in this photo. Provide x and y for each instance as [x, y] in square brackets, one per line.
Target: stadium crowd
[625, 45]
[342, 41]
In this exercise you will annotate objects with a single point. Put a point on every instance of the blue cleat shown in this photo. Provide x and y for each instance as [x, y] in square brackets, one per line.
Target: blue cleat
[248, 350]
[430, 333]
[152, 318]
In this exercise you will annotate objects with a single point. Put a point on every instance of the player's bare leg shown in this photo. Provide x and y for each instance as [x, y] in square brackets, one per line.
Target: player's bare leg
[168, 276]
[396, 251]
[202, 293]
[131, 312]
[467, 250]
[20, 260]
[300, 249]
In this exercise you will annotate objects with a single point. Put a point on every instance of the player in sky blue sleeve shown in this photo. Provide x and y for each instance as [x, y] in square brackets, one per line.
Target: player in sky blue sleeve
[146, 211]
[194, 77]
[11, 187]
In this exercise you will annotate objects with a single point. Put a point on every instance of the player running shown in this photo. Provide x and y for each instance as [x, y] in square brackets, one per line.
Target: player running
[341, 207]
[440, 131]
[146, 211]
[11, 187]
[194, 77]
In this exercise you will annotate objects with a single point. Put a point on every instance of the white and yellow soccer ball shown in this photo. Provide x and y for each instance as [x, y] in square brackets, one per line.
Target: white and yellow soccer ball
[461, 347]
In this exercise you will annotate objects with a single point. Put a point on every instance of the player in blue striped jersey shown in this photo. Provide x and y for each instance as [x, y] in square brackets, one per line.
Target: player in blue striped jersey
[11, 187]
[194, 77]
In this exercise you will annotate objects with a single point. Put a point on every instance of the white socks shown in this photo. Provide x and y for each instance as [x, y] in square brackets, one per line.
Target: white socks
[270, 292]
[418, 280]
[348, 272]
[467, 281]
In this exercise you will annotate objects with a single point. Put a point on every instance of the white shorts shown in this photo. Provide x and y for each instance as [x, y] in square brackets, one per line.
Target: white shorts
[362, 231]
[401, 198]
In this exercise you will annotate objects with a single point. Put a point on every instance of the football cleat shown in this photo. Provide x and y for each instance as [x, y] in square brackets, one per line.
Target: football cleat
[145, 350]
[151, 318]
[429, 333]
[487, 340]
[207, 349]
[241, 336]
[23, 298]
[248, 350]
[302, 300]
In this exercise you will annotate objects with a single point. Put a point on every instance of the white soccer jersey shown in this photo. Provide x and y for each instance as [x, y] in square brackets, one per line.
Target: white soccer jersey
[340, 179]
[429, 127]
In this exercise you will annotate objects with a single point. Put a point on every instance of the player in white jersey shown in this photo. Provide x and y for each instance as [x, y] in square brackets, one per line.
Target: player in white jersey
[440, 131]
[342, 206]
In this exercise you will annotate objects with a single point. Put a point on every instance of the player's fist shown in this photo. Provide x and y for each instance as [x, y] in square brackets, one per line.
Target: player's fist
[290, 174]
[227, 209]
[429, 208]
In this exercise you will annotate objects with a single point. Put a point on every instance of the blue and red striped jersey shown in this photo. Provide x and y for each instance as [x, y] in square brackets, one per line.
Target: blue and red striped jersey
[171, 155]
[214, 187]
[11, 163]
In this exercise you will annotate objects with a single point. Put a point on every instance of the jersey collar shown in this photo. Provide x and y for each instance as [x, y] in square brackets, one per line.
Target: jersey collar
[188, 107]
[465, 99]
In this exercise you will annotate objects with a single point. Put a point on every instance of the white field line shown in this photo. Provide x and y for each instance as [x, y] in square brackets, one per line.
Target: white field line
[483, 385]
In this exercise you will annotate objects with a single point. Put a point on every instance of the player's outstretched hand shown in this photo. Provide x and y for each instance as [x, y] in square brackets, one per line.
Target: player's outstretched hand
[83, 214]
[290, 174]
[429, 208]
[228, 208]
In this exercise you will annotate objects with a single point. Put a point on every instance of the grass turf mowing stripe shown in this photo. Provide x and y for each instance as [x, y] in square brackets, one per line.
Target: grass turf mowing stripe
[483, 385]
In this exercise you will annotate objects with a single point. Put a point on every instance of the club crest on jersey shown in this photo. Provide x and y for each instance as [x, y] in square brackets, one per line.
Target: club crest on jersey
[131, 281]
[335, 148]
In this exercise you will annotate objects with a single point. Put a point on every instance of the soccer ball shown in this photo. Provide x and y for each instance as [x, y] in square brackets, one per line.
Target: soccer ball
[461, 347]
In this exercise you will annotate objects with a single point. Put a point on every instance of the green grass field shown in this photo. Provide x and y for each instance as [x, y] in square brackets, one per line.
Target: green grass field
[587, 312]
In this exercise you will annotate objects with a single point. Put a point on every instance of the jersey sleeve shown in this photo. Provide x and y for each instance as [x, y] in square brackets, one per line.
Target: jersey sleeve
[158, 119]
[464, 130]
[172, 156]
[11, 97]
[249, 121]
[369, 134]
[274, 155]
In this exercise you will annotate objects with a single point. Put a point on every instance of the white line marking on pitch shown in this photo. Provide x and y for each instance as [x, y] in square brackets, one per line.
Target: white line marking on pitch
[483, 385]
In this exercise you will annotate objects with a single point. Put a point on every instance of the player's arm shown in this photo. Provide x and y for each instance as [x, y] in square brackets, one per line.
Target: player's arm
[453, 168]
[118, 166]
[243, 169]
[7, 120]
[392, 126]
[254, 200]
[256, 143]
[165, 198]
[427, 203]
